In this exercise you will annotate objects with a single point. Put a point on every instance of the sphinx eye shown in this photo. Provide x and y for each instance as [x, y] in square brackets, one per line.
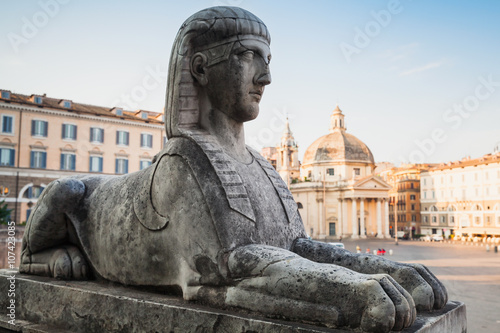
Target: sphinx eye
[248, 55]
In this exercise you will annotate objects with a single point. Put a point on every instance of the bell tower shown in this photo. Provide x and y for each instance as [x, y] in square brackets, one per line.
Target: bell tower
[288, 156]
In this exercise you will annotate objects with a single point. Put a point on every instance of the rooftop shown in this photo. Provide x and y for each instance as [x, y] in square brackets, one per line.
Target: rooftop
[65, 105]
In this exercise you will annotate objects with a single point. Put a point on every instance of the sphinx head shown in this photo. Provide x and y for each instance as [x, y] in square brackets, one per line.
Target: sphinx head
[222, 52]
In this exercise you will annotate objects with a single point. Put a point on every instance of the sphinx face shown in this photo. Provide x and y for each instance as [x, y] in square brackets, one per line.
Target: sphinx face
[235, 86]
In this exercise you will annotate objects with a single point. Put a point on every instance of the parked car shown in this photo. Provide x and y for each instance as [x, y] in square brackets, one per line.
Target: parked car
[437, 238]
[426, 238]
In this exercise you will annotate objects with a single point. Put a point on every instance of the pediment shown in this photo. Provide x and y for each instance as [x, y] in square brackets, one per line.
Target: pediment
[372, 182]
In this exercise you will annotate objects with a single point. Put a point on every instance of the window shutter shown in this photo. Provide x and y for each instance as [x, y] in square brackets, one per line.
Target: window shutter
[91, 135]
[73, 162]
[45, 128]
[44, 160]
[63, 131]
[150, 141]
[102, 134]
[33, 124]
[116, 166]
[100, 164]
[32, 159]
[76, 128]
[90, 160]
[117, 137]
[126, 138]
[62, 161]
[142, 140]
[126, 166]
[12, 156]
[30, 192]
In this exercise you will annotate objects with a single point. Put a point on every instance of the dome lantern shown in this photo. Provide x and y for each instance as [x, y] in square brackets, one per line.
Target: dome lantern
[337, 120]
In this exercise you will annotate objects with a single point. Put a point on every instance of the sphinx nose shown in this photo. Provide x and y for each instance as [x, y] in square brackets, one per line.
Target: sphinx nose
[264, 78]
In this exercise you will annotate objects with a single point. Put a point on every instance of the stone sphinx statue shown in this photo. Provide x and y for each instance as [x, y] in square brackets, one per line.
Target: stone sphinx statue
[210, 217]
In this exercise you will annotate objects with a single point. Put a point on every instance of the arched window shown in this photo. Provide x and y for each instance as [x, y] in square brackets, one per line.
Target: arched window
[299, 205]
[33, 192]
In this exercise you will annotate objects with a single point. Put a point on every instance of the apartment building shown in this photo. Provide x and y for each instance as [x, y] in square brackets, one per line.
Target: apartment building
[404, 198]
[462, 197]
[44, 138]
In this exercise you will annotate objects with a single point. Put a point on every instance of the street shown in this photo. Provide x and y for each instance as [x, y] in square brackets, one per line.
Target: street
[470, 274]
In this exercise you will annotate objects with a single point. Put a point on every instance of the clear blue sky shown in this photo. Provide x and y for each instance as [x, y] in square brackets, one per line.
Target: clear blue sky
[397, 88]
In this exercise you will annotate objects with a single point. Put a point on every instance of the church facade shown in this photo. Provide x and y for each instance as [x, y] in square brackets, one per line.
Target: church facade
[337, 193]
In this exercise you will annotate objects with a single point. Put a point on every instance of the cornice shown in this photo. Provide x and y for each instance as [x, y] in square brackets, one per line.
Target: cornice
[76, 115]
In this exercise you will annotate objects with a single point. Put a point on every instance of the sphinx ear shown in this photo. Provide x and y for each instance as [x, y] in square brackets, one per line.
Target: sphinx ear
[198, 65]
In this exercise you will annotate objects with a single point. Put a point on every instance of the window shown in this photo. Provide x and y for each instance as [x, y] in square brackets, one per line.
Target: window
[146, 140]
[38, 100]
[412, 206]
[121, 165]
[412, 197]
[412, 185]
[442, 219]
[144, 164]
[426, 219]
[95, 164]
[67, 104]
[68, 161]
[96, 134]
[425, 195]
[452, 219]
[144, 115]
[38, 159]
[122, 138]
[414, 218]
[7, 124]
[33, 192]
[299, 205]
[357, 171]
[330, 171]
[39, 128]
[119, 112]
[69, 131]
[434, 219]
[5, 95]
[7, 156]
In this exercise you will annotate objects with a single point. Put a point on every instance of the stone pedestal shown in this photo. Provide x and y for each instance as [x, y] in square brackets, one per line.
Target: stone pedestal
[45, 305]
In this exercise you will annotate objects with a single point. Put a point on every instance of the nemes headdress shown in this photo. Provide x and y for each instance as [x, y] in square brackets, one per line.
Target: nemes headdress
[213, 30]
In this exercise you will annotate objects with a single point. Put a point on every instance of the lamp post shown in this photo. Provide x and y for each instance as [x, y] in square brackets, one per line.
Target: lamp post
[396, 215]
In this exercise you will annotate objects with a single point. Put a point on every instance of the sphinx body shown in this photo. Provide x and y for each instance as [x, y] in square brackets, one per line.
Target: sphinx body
[211, 217]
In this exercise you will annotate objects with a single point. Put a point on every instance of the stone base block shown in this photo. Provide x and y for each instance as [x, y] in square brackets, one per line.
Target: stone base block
[46, 305]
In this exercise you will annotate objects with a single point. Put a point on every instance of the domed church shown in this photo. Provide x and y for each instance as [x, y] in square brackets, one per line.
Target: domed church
[338, 195]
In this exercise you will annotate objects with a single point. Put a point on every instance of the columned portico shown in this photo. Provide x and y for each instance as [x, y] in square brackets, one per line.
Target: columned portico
[354, 218]
[344, 216]
[340, 229]
[362, 217]
[379, 219]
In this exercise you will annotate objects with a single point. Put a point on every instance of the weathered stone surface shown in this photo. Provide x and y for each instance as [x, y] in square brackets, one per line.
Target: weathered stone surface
[46, 305]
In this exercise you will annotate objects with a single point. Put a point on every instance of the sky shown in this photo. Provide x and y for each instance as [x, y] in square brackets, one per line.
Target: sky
[418, 81]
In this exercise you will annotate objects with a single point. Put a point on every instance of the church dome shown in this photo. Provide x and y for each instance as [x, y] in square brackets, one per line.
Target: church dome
[338, 146]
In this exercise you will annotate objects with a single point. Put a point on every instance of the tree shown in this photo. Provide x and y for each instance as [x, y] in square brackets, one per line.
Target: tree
[4, 212]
